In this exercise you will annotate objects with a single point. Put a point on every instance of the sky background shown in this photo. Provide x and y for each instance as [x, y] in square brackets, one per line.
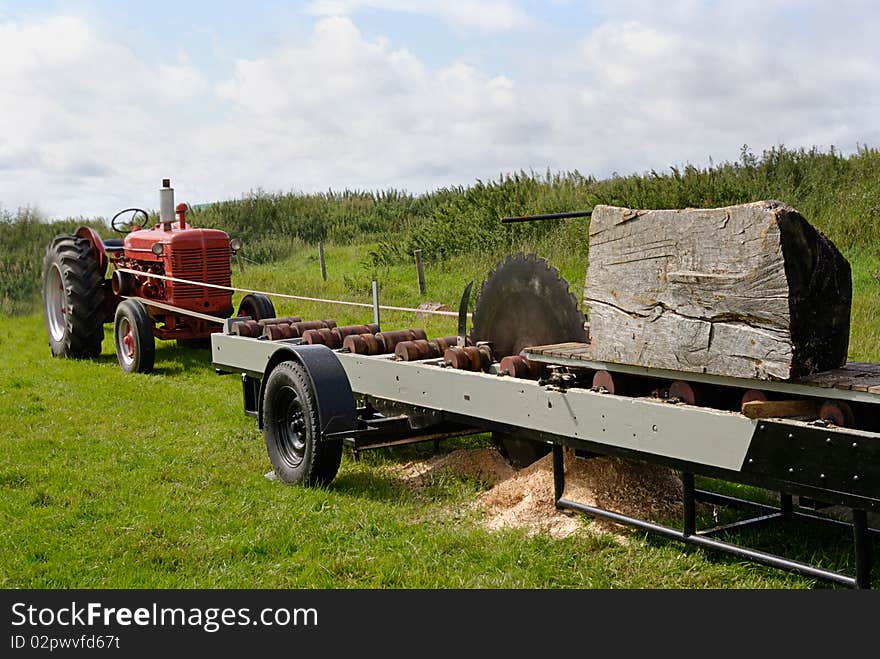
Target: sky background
[100, 100]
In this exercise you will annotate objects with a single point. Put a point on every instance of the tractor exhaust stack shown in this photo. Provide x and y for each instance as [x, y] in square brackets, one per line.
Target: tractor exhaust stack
[166, 204]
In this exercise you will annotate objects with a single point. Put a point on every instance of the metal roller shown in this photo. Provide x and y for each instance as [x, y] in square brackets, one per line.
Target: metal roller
[391, 339]
[442, 343]
[751, 395]
[322, 336]
[286, 320]
[686, 392]
[299, 328]
[518, 366]
[247, 328]
[342, 332]
[334, 338]
[276, 332]
[612, 384]
[364, 344]
[838, 412]
[469, 358]
[412, 351]
[382, 342]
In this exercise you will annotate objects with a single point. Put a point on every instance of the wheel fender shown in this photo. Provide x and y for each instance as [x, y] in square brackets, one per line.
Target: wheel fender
[330, 385]
[97, 244]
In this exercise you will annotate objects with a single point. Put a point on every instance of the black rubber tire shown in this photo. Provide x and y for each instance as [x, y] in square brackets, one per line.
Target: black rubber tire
[257, 306]
[290, 427]
[132, 314]
[518, 451]
[82, 330]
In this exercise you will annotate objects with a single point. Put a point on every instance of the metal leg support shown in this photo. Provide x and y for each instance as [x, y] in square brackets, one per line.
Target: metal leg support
[710, 543]
[690, 507]
[558, 474]
[690, 535]
[862, 542]
[785, 504]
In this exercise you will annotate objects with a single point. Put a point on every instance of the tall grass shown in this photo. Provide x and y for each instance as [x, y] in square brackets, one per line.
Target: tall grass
[838, 193]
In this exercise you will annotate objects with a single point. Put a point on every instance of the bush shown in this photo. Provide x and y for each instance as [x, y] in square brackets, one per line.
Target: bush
[839, 194]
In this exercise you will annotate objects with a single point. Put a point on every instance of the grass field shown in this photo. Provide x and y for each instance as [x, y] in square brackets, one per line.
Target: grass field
[113, 480]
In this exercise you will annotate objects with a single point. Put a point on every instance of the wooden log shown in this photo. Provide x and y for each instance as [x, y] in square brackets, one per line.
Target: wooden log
[778, 409]
[750, 291]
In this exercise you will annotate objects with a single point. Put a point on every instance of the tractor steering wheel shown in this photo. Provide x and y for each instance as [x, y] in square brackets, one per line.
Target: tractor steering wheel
[127, 227]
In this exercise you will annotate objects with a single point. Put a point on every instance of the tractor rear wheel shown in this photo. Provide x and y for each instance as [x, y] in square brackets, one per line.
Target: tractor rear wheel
[257, 306]
[133, 336]
[73, 297]
[291, 428]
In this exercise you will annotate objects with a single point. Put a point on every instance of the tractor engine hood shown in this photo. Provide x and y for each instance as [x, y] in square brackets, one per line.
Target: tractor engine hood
[139, 244]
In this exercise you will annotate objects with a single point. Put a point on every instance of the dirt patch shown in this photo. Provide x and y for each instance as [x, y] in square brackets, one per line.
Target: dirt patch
[524, 499]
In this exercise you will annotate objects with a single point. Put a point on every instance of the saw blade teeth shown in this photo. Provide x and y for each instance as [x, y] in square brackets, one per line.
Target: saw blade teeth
[510, 313]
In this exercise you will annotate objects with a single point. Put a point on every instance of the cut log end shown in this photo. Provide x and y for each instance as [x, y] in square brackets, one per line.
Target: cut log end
[748, 291]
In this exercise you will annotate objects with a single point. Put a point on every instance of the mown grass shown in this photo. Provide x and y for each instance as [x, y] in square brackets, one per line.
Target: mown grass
[113, 480]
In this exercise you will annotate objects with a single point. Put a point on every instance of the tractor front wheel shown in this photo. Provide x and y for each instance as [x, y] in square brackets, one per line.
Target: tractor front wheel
[73, 297]
[133, 335]
[292, 430]
[257, 306]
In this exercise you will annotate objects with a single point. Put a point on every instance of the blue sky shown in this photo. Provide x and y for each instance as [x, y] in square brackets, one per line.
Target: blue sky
[100, 100]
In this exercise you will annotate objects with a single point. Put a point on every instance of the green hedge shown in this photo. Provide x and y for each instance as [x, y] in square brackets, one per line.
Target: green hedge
[839, 194]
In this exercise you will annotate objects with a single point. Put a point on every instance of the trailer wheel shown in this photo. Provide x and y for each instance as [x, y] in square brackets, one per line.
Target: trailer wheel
[73, 297]
[257, 306]
[133, 336]
[290, 426]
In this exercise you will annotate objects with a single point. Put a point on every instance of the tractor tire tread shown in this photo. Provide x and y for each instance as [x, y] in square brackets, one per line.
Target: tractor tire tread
[84, 292]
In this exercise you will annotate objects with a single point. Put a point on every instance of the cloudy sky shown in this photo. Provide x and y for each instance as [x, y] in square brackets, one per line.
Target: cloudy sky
[99, 100]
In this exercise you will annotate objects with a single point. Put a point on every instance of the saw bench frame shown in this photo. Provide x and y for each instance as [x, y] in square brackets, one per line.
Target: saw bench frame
[834, 465]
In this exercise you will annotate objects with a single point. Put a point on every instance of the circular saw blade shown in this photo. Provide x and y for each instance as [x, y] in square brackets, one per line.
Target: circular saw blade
[525, 302]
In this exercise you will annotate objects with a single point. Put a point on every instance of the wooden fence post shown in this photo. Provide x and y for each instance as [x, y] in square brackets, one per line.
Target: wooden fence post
[421, 272]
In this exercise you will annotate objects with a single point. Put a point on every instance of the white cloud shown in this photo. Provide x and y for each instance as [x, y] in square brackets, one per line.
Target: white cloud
[698, 81]
[343, 110]
[87, 125]
[482, 15]
[80, 116]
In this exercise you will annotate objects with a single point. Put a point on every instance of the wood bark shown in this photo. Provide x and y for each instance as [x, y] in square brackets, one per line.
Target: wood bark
[749, 291]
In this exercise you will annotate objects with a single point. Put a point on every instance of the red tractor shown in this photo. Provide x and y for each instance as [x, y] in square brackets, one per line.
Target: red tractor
[144, 297]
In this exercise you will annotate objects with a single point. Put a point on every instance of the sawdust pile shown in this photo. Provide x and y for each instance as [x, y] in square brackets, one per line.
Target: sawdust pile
[524, 499]
[632, 488]
[486, 465]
